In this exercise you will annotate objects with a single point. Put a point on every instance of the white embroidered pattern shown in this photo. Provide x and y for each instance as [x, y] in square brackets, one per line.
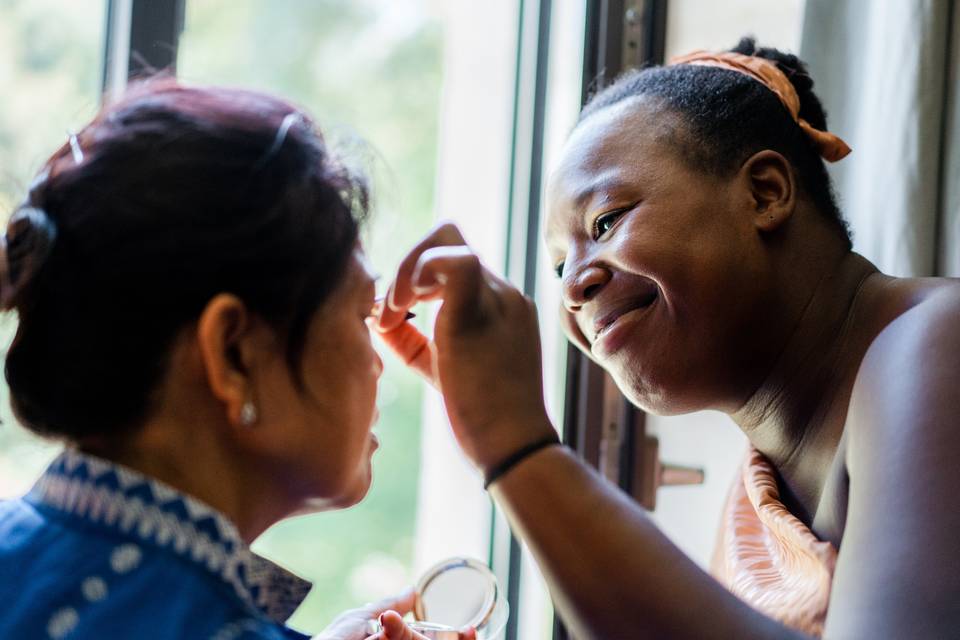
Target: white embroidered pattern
[62, 622]
[125, 558]
[94, 589]
[256, 581]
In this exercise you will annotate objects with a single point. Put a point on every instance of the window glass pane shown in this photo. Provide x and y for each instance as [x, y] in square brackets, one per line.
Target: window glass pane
[50, 64]
[422, 92]
[696, 24]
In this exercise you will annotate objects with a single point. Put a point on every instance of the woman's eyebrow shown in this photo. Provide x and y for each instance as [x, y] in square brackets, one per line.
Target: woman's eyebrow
[604, 184]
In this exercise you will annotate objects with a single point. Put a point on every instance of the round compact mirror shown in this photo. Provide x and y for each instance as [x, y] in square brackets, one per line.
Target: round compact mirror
[458, 593]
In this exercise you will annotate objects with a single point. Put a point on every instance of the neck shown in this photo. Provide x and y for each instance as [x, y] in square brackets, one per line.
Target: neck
[795, 417]
[195, 462]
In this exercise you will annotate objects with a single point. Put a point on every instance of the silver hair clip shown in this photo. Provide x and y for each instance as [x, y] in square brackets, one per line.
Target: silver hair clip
[288, 121]
[75, 148]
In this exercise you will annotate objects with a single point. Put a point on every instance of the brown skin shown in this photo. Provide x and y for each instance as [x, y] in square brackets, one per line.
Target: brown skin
[310, 447]
[844, 377]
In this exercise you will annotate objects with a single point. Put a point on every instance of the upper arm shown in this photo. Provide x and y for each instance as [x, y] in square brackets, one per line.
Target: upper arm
[898, 570]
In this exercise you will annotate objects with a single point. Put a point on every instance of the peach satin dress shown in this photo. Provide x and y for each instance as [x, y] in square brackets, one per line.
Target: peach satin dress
[767, 557]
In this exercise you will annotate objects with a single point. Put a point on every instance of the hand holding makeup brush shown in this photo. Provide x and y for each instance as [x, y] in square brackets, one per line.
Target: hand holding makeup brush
[485, 355]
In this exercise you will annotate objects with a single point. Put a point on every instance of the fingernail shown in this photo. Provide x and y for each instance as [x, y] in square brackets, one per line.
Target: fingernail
[425, 290]
[390, 299]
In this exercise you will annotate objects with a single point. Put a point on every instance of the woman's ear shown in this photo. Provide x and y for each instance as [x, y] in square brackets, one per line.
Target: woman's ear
[225, 341]
[770, 181]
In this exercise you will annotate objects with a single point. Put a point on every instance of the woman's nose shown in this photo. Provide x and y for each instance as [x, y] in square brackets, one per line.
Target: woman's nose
[581, 285]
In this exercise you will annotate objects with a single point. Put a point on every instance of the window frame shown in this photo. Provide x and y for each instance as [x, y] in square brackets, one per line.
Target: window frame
[522, 237]
[599, 423]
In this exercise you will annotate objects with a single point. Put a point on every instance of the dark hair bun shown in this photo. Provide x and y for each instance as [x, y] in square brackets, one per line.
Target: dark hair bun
[796, 71]
[29, 238]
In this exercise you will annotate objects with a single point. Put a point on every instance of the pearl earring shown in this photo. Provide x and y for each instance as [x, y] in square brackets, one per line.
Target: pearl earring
[248, 414]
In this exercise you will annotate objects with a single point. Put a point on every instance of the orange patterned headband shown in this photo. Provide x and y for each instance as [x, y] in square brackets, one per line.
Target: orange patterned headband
[830, 146]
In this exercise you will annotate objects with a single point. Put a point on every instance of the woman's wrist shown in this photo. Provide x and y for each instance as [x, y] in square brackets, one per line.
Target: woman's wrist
[516, 457]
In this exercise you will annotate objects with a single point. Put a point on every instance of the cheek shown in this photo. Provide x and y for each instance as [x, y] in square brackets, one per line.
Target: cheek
[711, 287]
[344, 375]
[698, 256]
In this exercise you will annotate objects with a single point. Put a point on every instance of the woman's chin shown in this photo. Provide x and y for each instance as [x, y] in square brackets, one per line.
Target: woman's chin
[651, 395]
[357, 491]
[346, 497]
[360, 492]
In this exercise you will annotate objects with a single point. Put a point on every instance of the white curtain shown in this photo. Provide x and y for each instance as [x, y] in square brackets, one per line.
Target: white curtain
[886, 71]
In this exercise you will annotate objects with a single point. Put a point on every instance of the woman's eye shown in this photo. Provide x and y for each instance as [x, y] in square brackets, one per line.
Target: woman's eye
[559, 270]
[605, 222]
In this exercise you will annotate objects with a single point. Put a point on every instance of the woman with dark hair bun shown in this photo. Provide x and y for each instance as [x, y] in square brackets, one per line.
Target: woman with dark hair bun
[192, 301]
[704, 263]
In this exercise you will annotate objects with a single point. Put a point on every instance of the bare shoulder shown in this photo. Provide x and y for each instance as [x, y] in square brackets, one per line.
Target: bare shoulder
[922, 308]
[911, 371]
[898, 571]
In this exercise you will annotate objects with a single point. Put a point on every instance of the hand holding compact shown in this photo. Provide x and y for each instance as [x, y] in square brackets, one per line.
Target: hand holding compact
[485, 355]
[355, 623]
[394, 628]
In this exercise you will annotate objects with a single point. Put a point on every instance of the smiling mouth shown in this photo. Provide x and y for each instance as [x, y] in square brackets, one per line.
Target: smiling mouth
[603, 324]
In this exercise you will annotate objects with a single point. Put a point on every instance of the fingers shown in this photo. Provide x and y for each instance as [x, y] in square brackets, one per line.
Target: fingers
[456, 273]
[395, 629]
[401, 295]
[413, 348]
[401, 603]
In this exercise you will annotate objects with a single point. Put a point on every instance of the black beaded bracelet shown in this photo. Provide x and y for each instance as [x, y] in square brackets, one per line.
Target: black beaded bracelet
[517, 457]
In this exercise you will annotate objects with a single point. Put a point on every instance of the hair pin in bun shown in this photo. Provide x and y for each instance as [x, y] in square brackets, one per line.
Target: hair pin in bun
[289, 121]
[24, 248]
[75, 150]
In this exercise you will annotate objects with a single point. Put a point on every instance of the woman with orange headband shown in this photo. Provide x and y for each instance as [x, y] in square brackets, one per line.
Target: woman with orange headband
[704, 263]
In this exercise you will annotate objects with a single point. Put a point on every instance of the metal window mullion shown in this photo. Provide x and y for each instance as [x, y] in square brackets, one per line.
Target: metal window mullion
[523, 223]
[155, 29]
[116, 50]
[142, 38]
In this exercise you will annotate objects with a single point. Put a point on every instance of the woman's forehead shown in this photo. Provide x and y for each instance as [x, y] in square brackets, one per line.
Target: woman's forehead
[608, 152]
[358, 277]
[614, 140]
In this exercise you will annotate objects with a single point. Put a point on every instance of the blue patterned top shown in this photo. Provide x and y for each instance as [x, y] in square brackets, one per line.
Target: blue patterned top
[96, 550]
